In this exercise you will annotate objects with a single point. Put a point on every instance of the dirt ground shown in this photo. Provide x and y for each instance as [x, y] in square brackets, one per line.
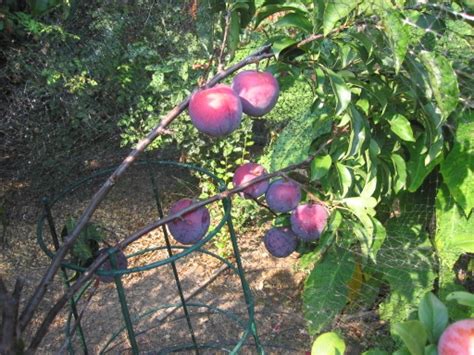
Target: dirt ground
[275, 283]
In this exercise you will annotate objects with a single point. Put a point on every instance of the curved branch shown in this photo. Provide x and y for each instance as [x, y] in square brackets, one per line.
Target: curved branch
[37, 296]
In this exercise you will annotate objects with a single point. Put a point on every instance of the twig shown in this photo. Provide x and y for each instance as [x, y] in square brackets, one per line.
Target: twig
[220, 62]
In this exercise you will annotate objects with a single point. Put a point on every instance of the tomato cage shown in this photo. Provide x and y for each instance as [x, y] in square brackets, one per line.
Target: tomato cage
[159, 303]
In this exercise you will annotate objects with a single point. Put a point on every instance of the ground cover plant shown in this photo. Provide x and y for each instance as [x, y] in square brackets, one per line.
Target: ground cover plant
[379, 162]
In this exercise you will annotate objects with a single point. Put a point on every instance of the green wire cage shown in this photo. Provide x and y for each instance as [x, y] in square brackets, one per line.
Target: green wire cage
[137, 324]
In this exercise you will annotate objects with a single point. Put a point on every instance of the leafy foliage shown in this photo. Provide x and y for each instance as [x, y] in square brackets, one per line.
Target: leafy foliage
[86, 246]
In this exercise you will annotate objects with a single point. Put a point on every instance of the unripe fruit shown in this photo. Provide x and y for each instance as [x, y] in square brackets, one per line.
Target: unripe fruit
[121, 264]
[247, 172]
[192, 226]
[216, 111]
[309, 220]
[258, 91]
[457, 339]
[280, 242]
[283, 196]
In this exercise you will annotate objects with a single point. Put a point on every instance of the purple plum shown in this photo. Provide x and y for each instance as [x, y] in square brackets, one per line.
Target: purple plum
[309, 220]
[280, 241]
[192, 226]
[216, 111]
[258, 91]
[247, 172]
[283, 196]
[122, 264]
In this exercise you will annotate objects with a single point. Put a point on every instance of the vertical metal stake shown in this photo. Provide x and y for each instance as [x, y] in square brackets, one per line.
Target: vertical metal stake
[123, 302]
[247, 292]
[170, 253]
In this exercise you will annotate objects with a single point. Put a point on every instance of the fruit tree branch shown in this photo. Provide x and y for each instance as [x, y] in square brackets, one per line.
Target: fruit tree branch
[39, 292]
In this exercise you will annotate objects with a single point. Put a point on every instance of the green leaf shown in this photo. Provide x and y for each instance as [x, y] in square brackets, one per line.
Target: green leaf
[297, 20]
[416, 167]
[443, 81]
[413, 336]
[462, 298]
[325, 291]
[400, 172]
[336, 10]
[358, 203]
[397, 34]
[341, 91]
[300, 133]
[380, 234]
[345, 178]
[375, 352]
[400, 125]
[246, 10]
[458, 167]
[431, 350]
[433, 314]
[455, 231]
[359, 132]
[268, 10]
[320, 166]
[402, 351]
[280, 44]
[328, 344]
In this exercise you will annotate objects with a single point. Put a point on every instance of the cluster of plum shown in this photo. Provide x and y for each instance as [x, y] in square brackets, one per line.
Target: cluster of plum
[217, 112]
[282, 196]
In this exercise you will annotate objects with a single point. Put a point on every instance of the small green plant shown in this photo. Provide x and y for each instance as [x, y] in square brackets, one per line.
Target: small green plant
[86, 247]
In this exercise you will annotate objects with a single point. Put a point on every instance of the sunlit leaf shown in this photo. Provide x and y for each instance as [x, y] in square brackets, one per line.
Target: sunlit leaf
[400, 125]
[413, 335]
[397, 34]
[328, 344]
[458, 167]
[320, 166]
[325, 291]
[336, 10]
[443, 81]
[341, 91]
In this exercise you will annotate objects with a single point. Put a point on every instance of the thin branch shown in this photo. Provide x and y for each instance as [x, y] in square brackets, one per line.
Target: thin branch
[220, 62]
